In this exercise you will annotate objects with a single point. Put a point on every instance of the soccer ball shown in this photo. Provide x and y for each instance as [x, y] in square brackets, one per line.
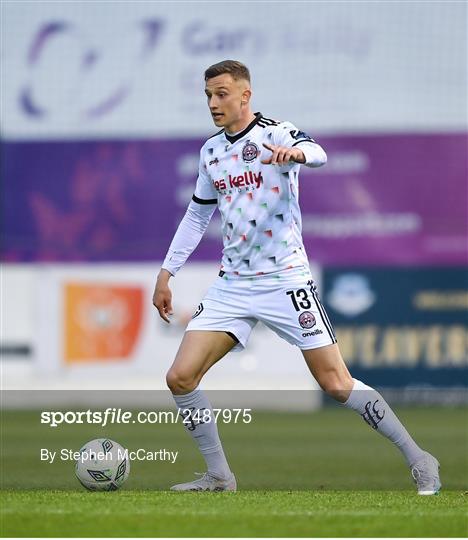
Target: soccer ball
[103, 465]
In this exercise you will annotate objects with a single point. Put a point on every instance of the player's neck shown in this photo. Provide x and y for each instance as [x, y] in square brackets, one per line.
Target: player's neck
[240, 125]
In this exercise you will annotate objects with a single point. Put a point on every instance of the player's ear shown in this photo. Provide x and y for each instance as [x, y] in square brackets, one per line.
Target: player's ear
[246, 94]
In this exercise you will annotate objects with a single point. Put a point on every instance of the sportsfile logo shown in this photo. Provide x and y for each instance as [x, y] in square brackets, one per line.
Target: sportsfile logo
[249, 178]
[113, 415]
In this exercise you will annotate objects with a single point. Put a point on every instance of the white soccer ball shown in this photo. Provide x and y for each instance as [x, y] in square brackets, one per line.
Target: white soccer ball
[103, 465]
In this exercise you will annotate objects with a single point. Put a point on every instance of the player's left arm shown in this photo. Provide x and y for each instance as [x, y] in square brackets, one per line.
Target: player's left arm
[290, 145]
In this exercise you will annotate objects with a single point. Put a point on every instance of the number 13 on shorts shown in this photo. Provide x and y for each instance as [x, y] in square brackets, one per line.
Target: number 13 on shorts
[315, 329]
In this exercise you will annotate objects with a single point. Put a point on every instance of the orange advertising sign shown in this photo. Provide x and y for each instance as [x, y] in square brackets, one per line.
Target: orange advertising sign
[101, 322]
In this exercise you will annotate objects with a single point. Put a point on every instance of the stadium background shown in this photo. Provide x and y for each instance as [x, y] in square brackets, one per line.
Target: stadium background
[103, 116]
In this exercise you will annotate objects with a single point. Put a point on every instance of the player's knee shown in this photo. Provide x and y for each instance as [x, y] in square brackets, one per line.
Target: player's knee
[337, 387]
[180, 382]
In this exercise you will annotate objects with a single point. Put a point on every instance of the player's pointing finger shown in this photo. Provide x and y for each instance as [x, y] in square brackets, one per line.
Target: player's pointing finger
[270, 147]
[268, 160]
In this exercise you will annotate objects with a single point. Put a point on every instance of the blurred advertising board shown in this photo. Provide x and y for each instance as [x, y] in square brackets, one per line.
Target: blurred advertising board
[380, 199]
[401, 326]
[85, 70]
[100, 321]
[94, 326]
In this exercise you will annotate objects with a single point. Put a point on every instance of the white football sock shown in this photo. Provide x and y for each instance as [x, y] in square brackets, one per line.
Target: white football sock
[204, 433]
[377, 413]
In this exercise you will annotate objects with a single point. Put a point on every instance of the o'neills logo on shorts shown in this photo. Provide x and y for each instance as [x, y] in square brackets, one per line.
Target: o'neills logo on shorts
[247, 179]
[315, 332]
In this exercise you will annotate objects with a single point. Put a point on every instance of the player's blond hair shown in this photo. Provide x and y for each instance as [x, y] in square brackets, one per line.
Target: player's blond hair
[236, 69]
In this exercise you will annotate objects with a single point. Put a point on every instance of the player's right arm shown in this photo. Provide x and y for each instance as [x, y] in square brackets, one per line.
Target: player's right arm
[292, 145]
[186, 239]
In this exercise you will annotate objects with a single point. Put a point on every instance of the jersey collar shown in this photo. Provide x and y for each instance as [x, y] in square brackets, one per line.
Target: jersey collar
[233, 138]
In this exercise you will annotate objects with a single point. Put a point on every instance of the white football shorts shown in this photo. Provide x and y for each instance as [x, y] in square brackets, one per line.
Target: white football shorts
[287, 302]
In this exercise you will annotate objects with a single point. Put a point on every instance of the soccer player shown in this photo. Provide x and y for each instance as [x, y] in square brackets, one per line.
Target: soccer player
[249, 170]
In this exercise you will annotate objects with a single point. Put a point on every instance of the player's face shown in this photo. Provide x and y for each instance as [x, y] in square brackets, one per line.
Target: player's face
[227, 100]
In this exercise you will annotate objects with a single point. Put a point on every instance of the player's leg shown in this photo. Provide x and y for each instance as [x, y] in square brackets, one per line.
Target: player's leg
[221, 323]
[198, 351]
[294, 311]
[328, 368]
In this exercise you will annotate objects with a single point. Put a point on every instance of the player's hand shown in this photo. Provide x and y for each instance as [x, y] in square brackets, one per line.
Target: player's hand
[162, 297]
[282, 155]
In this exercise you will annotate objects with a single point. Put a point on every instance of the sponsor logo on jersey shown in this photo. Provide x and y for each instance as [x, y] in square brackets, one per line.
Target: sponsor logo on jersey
[300, 135]
[198, 310]
[307, 319]
[315, 332]
[214, 161]
[246, 179]
[250, 152]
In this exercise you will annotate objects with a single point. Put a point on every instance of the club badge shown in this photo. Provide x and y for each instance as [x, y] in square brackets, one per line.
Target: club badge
[250, 152]
[307, 319]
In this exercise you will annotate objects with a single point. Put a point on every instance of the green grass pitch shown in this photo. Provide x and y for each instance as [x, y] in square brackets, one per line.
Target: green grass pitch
[317, 474]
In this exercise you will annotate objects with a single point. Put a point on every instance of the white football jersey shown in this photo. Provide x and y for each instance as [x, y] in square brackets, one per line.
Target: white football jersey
[258, 203]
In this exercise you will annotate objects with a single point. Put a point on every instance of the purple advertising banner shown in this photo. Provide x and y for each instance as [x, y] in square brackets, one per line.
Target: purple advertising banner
[380, 200]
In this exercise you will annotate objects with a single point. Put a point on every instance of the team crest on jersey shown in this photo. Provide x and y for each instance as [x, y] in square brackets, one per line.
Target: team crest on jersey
[198, 310]
[307, 319]
[250, 152]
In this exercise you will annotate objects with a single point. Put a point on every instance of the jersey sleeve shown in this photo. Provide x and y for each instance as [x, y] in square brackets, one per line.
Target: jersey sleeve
[205, 192]
[188, 235]
[287, 134]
